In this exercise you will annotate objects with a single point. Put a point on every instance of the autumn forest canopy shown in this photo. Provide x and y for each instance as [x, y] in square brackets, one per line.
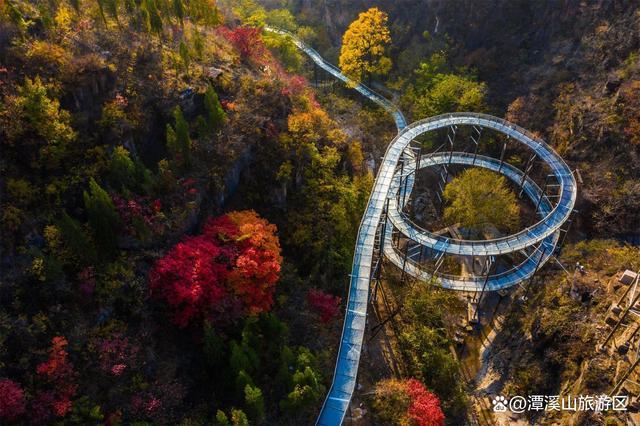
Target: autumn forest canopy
[181, 191]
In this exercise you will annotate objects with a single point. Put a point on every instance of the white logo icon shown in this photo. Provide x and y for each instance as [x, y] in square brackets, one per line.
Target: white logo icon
[518, 404]
[499, 404]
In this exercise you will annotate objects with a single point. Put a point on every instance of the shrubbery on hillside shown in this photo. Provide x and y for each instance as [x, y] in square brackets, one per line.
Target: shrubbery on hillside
[122, 126]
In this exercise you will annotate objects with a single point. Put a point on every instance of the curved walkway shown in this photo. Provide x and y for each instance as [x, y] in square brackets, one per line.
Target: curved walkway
[544, 233]
[528, 236]
[470, 283]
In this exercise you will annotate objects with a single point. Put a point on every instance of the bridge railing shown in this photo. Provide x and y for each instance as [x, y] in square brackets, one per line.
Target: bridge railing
[545, 204]
[361, 87]
[566, 198]
[525, 266]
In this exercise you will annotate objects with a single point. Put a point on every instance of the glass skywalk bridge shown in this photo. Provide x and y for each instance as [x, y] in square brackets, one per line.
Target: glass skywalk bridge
[383, 215]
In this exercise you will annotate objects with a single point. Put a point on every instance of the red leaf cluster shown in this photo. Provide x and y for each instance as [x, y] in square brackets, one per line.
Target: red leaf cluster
[58, 372]
[190, 278]
[246, 40]
[138, 210]
[117, 353]
[12, 403]
[159, 401]
[424, 409]
[325, 304]
[229, 270]
[294, 84]
[57, 367]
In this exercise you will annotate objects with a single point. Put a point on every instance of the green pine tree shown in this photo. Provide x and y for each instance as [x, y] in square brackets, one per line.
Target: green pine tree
[149, 9]
[101, 8]
[185, 56]
[18, 19]
[222, 419]
[178, 11]
[111, 7]
[75, 239]
[178, 140]
[238, 359]
[103, 217]
[130, 6]
[214, 348]
[183, 141]
[242, 381]
[144, 19]
[215, 113]
[122, 170]
[172, 143]
[254, 403]
[239, 418]
[198, 43]
[204, 12]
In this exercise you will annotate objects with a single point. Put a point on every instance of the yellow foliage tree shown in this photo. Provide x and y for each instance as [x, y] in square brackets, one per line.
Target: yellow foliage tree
[479, 197]
[363, 46]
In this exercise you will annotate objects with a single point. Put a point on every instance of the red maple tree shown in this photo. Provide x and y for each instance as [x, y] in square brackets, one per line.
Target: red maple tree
[407, 402]
[424, 409]
[327, 305]
[229, 270]
[246, 40]
[58, 372]
[257, 265]
[117, 354]
[12, 403]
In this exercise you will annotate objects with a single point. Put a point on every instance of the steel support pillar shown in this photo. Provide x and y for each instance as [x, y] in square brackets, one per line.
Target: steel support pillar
[476, 141]
[451, 137]
[383, 231]
[374, 296]
[622, 317]
[400, 183]
[504, 148]
[527, 170]
[564, 232]
[544, 189]
[404, 191]
[617, 386]
[404, 261]
[536, 269]
[489, 268]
